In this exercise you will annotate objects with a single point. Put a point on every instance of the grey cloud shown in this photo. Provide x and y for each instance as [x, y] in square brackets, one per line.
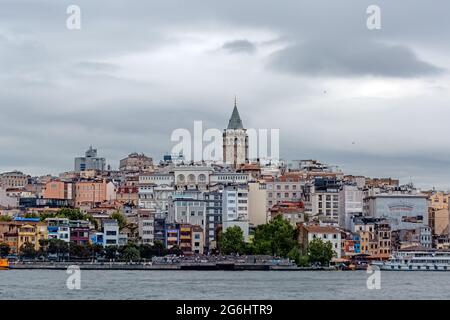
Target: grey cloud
[238, 46]
[351, 58]
[59, 93]
[97, 66]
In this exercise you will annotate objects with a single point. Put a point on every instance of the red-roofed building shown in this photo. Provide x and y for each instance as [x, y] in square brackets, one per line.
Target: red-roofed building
[292, 211]
[308, 233]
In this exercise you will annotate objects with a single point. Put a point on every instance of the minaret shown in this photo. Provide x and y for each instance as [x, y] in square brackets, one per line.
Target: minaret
[235, 140]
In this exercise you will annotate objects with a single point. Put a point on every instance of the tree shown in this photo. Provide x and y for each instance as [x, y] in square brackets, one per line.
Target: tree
[4, 249]
[276, 238]
[130, 253]
[27, 250]
[97, 251]
[111, 252]
[121, 219]
[5, 218]
[71, 214]
[58, 247]
[231, 241]
[320, 252]
[299, 259]
[79, 251]
[175, 250]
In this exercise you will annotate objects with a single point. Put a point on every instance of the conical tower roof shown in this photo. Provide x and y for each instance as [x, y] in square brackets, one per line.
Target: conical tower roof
[235, 120]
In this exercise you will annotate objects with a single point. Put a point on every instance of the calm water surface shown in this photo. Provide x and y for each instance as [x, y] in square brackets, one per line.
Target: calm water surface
[51, 284]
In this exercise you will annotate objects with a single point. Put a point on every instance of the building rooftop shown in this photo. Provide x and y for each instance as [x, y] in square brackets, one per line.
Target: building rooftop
[235, 120]
[320, 229]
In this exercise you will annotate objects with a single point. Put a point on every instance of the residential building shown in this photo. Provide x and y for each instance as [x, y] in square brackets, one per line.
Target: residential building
[257, 203]
[350, 204]
[146, 226]
[57, 189]
[322, 197]
[213, 200]
[31, 233]
[287, 187]
[185, 242]
[172, 236]
[308, 233]
[93, 191]
[293, 212]
[110, 232]
[198, 242]
[188, 209]
[136, 163]
[58, 228]
[79, 231]
[13, 179]
[235, 208]
[8, 201]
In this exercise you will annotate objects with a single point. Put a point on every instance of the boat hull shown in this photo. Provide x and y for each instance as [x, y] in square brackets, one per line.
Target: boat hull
[4, 264]
[413, 267]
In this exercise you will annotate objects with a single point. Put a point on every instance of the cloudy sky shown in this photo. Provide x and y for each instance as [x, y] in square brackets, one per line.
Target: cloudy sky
[374, 102]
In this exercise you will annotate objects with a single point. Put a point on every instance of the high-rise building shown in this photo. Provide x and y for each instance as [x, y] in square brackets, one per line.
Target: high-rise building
[235, 140]
[90, 161]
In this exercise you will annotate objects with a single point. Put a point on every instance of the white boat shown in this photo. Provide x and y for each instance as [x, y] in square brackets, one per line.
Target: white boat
[420, 260]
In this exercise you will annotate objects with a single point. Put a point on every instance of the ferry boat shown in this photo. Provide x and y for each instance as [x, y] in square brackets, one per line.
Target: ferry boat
[4, 264]
[420, 260]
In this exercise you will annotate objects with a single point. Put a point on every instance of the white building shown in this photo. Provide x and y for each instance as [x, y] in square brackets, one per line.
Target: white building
[110, 233]
[58, 228]
[235, 208]
[328, 234]
[228, 177]
[192, 177]
[154, 196]
[7, 201]
[187, 209]
[350, 204]
[404, 211]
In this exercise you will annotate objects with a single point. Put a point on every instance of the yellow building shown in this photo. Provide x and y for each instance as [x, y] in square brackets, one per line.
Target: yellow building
[439, 213]
[31, 233]
[364, 241]
[438, 200]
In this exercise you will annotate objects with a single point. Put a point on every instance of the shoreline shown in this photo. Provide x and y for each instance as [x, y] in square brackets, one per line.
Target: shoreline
[168, 267]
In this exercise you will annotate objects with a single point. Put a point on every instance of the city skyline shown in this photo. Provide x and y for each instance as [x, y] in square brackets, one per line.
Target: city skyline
[124, 82]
